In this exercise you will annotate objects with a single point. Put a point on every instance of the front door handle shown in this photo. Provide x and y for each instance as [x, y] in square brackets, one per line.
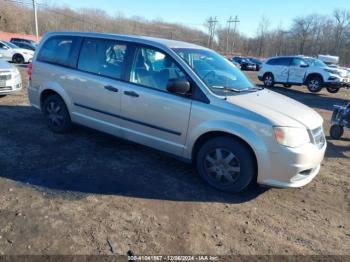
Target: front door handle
[112, 89]
[131, 93]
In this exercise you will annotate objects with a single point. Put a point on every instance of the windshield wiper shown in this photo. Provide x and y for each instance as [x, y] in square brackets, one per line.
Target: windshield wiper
[231, 89]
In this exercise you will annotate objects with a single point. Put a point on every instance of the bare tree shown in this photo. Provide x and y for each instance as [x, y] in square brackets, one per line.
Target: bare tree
[262, 31]
[342, 22]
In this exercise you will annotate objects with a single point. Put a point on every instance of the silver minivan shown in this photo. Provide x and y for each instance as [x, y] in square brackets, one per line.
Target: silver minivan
[180, 98]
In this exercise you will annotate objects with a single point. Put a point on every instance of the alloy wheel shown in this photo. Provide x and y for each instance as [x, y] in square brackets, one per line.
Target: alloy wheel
[314, 84]
[268, 80]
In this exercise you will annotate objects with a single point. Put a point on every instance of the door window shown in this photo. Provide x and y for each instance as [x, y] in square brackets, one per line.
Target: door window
[103, 57]
[279, 61]
[298, 62]
[154, 69]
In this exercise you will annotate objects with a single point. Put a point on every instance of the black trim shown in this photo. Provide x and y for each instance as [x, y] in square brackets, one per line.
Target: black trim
[130, 120]
[74, 52]
[196, 94]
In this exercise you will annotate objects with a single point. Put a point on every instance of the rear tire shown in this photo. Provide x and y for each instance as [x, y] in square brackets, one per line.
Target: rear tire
[226, 164]
[333, 90]
[56, 114]
[314, 84]
[336, 131]
[18, 59]
[269, 80]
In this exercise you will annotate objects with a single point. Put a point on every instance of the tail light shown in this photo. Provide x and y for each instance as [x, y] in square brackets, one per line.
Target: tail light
[29, 71]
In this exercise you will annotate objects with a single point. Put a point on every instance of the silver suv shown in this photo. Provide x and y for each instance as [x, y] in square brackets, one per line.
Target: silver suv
[180, 98]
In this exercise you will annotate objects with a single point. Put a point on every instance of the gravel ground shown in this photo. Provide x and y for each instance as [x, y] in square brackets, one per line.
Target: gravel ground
[73, 194]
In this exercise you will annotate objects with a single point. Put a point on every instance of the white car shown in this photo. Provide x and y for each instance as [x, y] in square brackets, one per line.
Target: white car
[302, 70]
[11, 52]
[10, 78]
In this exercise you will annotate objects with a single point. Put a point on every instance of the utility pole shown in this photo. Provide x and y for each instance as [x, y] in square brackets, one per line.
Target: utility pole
[211, 30]
[235, 21]
[35, 20]
[229, 22]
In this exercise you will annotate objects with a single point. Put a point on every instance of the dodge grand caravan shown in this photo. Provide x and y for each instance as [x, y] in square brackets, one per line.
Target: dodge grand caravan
[183, 99]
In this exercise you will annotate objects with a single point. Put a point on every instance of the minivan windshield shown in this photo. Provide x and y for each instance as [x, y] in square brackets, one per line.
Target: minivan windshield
[215, 71]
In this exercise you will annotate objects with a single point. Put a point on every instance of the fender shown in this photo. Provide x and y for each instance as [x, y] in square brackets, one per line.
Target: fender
[54, 86]
[254, 140]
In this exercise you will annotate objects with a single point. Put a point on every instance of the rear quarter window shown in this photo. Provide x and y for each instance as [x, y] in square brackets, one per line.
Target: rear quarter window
[60, 50]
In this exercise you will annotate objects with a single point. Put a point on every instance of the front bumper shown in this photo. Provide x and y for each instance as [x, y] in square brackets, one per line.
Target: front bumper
[294, 167]
[27, 57]
[336, 81]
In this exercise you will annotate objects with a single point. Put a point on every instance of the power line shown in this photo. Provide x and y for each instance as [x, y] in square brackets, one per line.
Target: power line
[235, 21]
[211, 30]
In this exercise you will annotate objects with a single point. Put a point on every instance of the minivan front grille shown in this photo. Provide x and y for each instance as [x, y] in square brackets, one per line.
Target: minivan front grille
[317, 137]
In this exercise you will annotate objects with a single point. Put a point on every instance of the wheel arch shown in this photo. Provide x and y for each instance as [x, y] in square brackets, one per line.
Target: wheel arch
[16, 54]
[54, 89]
[212, 134]
[268, 73]
[313, 75]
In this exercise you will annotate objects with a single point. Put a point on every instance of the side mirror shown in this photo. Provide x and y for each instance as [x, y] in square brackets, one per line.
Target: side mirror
[178, 86]
[304, 66]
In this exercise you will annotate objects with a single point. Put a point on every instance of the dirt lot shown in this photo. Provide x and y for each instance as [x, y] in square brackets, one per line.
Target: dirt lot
[71, 194]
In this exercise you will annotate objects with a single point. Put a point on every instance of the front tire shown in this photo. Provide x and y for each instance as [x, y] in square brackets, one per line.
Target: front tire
[269, 80]
[333, 90]
[18, 59]
[56, 114]
[336, 131]
[226, 164]
[314, 84]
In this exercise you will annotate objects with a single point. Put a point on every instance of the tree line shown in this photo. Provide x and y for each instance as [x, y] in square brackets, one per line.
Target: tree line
[308, 35]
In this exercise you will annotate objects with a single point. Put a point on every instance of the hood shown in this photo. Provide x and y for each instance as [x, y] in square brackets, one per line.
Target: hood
[339, 71]
[5, 66]
[22, 50]
[279, 109]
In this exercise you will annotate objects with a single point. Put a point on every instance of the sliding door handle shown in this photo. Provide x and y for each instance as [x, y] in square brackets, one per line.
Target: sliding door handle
[112, 89]
[131, 93]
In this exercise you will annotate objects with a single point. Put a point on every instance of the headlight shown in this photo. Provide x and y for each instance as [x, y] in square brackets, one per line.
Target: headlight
[16, 72]
[291, 136]
[25, 53]
[332, 71]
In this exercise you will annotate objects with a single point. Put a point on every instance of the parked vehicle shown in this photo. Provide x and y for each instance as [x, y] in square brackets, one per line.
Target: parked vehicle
[329, 59]
[24, 45]
[245, 63]
[340, 120]
[10, 78]
[23, 40]
[13, 53]
[180, 98]
[256, 62]
[302, 70]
